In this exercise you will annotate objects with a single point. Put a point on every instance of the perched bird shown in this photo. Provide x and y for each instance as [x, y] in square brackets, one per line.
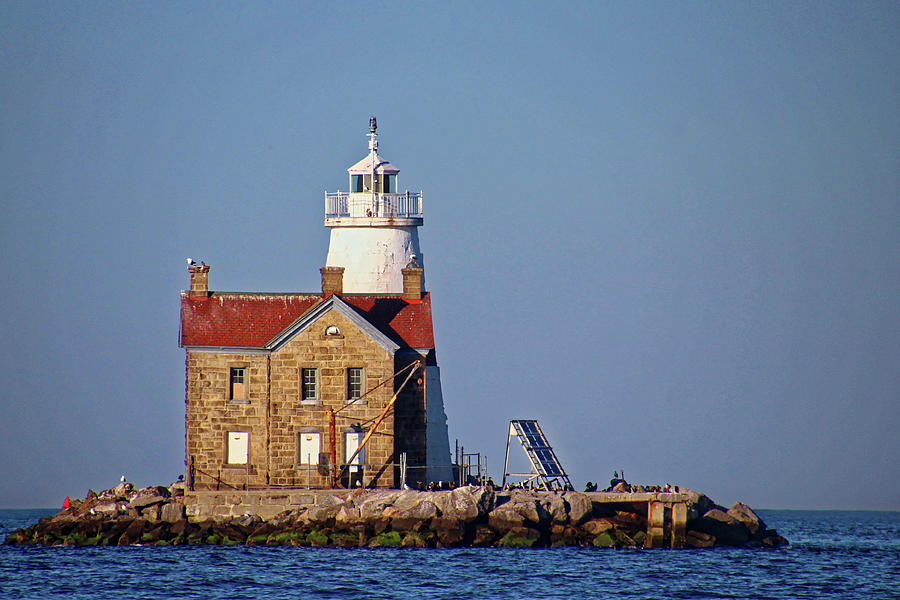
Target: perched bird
[122, 479]
[190, 261]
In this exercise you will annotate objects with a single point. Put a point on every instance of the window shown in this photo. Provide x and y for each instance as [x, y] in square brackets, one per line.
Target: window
[354, 383]
[310, 385]
[237, 387]
[310, 444]
[357, 185]
[238, 447]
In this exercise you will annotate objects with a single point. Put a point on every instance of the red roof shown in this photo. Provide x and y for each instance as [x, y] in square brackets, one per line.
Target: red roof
[252, 320]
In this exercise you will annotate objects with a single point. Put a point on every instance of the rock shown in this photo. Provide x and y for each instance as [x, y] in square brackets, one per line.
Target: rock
[171, 512]
[771, 539]
[554, 506]
[323, 515]
[121, 491]
[698, 503]
[580, 506]
[745, 515]
[726, 529]
[407, 499]
[461, 505]
[623, 540]
[450, 532]
[373, 506]
[698, 539]
[178, 527]
[605, 540]
[527, 505]
[389, 539]
[247, 521]
[503, 518]
[148, 496]
[347, 516]
[484, 497]
[106, 507]
[132, 533]
[630, 519]
[565, 535]
[597, 526]
[413, 540]
[520, 537]
[414, 518]
[484, 536]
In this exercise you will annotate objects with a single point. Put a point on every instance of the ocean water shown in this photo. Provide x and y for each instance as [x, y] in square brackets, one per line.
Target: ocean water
[833, 554]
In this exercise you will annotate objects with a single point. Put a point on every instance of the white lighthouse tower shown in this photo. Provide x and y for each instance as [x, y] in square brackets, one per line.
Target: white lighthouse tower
[374, 228]
[374, 236]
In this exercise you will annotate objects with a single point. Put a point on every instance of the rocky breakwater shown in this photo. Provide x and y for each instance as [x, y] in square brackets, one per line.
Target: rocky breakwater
[466, 516]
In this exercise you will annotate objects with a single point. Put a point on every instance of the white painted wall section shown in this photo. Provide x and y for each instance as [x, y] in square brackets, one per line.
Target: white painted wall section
[438, 439]
[373, 257]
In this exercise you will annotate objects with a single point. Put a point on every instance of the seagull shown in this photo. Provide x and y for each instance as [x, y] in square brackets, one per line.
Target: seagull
[122, 479]
[190, 261]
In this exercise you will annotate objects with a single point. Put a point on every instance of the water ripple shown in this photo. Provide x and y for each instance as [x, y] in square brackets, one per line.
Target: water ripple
[834, 555]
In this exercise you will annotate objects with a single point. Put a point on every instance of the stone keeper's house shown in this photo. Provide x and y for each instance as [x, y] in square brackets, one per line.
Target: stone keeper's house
[264, 371]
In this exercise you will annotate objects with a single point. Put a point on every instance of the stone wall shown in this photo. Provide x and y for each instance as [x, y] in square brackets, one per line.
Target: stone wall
[263, 503]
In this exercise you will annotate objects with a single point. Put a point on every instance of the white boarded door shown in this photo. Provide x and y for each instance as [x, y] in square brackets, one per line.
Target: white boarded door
[238, 447]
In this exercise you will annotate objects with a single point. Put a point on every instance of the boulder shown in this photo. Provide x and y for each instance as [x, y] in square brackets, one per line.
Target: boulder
[555, 506]
[745, 515]
[320, 515]
[461, 505]
[725, 528]
[150, 495]
[414, 518]
[373, 505]
[132, 533]
[771, 539]
[121, 491]
[484, 536]
[698, 503]
[520, 537]
[503, 518]
[598, 526]
[580, 506]
[171, 512]
[109, 508]
[698, 539]
[527, 505]
[630, 519]
[413, 540]
[450, 532]
[347, 516]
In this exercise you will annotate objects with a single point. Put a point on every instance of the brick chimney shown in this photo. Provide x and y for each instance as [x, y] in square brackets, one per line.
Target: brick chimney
[332, 280]
[199, 280]
[412, 283]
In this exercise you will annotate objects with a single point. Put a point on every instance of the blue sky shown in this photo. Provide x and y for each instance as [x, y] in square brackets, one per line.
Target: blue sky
[667, 231]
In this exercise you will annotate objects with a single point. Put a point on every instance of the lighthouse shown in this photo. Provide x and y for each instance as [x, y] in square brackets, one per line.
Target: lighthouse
[374, 227]
[375, 239]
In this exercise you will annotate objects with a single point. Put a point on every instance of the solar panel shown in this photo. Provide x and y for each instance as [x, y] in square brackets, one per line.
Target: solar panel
[544, 464]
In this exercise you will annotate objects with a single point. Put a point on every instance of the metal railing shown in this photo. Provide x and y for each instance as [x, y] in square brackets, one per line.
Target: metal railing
[366, 204]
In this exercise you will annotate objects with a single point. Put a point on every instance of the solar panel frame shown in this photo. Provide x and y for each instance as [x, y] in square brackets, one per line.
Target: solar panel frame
[541, 455]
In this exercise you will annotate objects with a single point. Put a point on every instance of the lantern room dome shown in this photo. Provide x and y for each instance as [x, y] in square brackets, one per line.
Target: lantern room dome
[381, 165]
